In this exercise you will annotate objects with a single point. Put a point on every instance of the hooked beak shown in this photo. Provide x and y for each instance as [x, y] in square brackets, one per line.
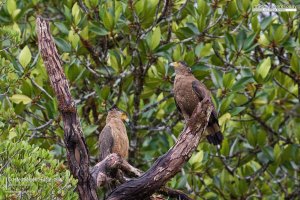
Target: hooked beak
[174, 64]
[124, 117]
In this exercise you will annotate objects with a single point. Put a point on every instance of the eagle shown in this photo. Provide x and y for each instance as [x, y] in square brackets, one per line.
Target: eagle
[113, 138]
[188, 92]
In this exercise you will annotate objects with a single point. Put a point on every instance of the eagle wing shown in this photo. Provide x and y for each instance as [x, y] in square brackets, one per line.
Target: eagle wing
[202, 93]
[106, 142]
[215, 136]
[177, 106]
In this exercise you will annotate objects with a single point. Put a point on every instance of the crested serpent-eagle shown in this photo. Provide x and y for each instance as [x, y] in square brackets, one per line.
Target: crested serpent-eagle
[113, 138]
[188, 92]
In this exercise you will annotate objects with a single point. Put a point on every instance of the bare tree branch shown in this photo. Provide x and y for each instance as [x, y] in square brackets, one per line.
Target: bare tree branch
[101, 171]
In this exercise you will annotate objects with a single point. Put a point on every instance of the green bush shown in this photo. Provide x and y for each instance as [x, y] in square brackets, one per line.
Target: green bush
[30, 172]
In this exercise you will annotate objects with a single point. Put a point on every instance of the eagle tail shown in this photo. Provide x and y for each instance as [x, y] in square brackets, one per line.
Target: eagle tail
[214, 134]
[215, 138]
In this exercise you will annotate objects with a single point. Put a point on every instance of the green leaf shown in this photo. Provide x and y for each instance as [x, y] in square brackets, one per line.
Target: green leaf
[12, 134]
[25, 56]
[295, 63]
[224, 118]
[95, 28]
[228, 80]
[226, 102]
[237, 110]
[62, 27]
[94, 3]
[154, 39]
[261, 138]
[105, 92]
[73, 38]
[249, 41]
[165, 47]
[118, 11]
[230, 42]
[184, 33]
[201, 23]
[225, 148]
[279, 34]
[108, 20]
[264, 68]
[90, 129]
[241, 83]
[203, 8]
[76, 13]
[18, 98]
[239, 4]
[241, 39]
[263, 40]
[115, 60]
[243, 186]
[11, 6]
[255, 24]
[182, 182]
[277, 153]
[246, 4]
[206, 50]
[62, 44]
[216, 77]
[268, 152]
[266, 22]
[196, 158]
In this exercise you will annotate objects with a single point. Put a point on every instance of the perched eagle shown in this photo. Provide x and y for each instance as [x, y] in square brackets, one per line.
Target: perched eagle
[113, 138]
[188, 92]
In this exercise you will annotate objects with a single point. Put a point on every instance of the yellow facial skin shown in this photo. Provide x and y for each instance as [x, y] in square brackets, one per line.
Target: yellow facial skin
[124, 117]
[174, 64]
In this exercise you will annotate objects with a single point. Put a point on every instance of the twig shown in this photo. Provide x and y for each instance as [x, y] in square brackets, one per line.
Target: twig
[83, 6]
[218, 20]
[42, 126]
[42, 89]
[279, 84]
[156, 103]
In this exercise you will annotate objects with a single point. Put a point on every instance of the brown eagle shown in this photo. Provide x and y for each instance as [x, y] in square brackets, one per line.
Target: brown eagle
[113, 138]
[188, 92]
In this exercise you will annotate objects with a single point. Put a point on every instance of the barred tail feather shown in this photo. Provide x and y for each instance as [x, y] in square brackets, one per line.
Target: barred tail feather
[215, 138]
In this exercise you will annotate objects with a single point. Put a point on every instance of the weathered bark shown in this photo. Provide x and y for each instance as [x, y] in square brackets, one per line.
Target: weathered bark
[101, 171]
[77, 152]
[169, 164]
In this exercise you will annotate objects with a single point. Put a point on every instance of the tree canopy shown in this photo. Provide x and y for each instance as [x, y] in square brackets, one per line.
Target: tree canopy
[117, 53]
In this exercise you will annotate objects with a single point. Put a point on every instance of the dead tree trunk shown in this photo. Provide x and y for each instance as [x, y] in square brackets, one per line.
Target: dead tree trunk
[77, 153]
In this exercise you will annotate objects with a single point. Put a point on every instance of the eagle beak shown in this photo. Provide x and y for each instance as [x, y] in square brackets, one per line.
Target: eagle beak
[174, 64]
[124, 117]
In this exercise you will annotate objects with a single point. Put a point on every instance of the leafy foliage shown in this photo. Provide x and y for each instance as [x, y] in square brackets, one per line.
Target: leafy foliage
[117, 52]
[32, 170]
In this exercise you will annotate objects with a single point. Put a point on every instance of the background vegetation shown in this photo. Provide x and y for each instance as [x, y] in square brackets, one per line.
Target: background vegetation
[117, 53]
